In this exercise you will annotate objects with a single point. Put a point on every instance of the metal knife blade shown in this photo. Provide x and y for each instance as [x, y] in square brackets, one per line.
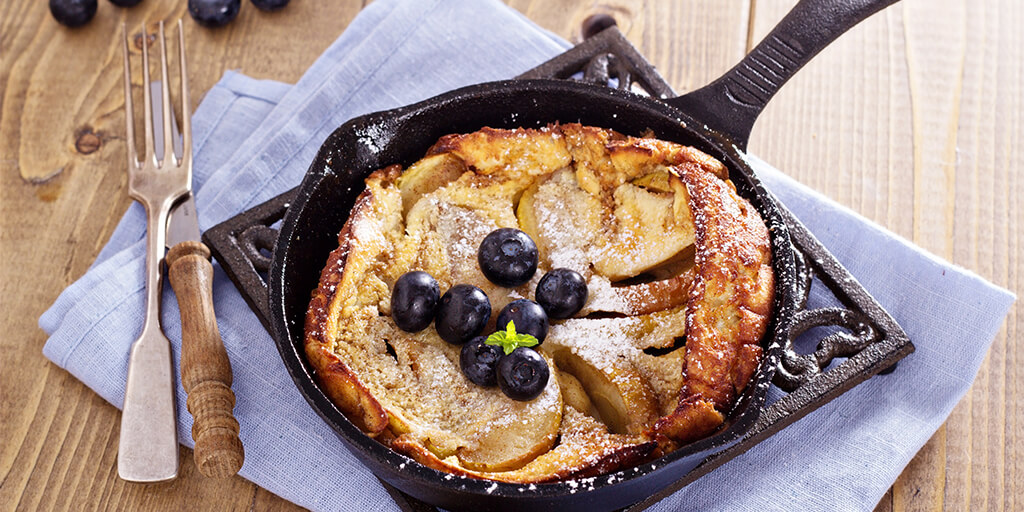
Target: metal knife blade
[182, 223]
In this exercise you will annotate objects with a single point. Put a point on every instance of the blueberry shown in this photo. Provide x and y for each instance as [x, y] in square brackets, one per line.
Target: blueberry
[479, 361]
[529, 317]
[414, 300]
[561, 292]
[269, 5]
[462, 314]
[522, 374]
[125, 3]
[73, 13]
[213, 13]
[508, 257]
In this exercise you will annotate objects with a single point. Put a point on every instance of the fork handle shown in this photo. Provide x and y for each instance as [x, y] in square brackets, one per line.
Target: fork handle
[147, 450]
[205, 368]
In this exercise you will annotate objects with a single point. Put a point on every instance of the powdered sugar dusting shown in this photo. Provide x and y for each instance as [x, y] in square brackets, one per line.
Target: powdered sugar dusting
[567, 222]
[602, 342]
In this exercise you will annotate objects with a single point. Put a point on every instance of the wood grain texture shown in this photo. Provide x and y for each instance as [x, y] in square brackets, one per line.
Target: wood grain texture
[913, 119]
[205, 368]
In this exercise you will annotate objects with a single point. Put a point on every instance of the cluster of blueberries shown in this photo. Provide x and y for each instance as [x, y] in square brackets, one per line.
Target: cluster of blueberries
[507, 257]
[209, 13]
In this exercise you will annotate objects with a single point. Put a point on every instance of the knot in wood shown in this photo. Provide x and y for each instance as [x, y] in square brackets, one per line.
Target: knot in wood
[87, 142]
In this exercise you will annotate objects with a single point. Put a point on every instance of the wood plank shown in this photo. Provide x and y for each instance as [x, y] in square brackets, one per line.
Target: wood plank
[832, 126]
[936, 73]
[986, 237]
[933, 59]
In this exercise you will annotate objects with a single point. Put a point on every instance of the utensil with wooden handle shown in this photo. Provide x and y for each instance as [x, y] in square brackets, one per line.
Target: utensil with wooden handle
[205, 367]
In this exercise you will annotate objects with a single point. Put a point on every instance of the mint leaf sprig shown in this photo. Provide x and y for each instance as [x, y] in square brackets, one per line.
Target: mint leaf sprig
[510, 340]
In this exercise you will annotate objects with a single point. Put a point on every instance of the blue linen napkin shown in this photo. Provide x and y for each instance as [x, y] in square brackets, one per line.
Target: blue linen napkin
[254, 139]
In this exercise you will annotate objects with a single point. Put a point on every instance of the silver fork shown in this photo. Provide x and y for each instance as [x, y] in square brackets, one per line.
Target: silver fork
[148, 446]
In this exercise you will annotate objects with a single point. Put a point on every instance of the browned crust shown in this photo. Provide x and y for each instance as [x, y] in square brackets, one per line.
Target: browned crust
[693, 419]
[746, 364]
[344, 389]
[734, 262]
[337, 380]
[489, 150]
[728, 307]
[645, 153]
[620, 458]
[406, 445]
[456, 141]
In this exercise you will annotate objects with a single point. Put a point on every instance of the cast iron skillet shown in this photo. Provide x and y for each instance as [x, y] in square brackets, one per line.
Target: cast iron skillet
[716, 119]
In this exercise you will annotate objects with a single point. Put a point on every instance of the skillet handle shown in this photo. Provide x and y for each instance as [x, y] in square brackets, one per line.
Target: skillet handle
[731, 104]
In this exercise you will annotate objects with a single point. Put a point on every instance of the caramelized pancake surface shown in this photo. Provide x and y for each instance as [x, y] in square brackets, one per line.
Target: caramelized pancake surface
[678, 269]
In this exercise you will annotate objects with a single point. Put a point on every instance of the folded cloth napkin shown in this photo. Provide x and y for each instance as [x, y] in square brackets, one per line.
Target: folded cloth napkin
[254, 139]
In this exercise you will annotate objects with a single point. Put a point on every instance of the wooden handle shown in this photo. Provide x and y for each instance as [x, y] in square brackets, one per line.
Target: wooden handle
[205, 369]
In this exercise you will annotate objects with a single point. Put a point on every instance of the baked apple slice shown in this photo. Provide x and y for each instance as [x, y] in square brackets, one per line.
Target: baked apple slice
[646, 232]
[426, 176]
[516, 435]
[617, 391]
[585, 449]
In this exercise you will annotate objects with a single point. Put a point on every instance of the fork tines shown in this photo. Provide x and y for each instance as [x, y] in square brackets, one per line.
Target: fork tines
[166, 108]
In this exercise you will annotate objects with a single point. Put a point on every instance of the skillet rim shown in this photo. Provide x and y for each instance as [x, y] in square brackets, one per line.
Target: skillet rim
[381, 459]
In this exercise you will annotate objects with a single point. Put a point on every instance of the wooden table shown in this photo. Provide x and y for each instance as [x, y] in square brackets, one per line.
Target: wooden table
[915, 119]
